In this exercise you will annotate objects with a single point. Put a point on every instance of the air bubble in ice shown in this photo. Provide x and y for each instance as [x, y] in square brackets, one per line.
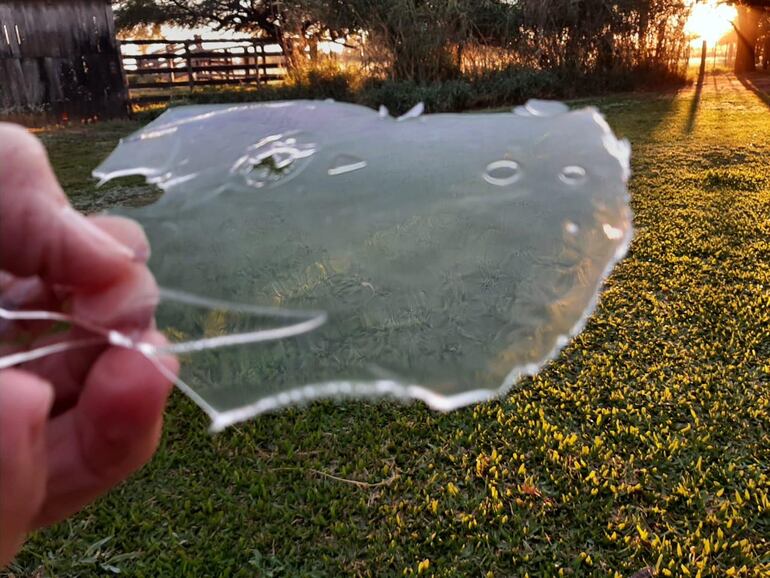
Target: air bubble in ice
[572, 175]
[502, 173]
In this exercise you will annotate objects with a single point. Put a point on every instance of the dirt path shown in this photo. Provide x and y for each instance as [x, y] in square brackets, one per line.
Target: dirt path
[728, 83]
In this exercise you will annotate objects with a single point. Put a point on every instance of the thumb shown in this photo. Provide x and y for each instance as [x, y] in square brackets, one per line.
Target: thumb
[25, 401]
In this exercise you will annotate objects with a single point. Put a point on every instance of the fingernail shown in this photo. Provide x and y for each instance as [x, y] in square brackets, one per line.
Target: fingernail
[43, 396]
[141, 248]
[81, 222]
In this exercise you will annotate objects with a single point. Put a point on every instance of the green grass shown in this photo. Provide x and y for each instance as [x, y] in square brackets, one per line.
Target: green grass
[646, 443]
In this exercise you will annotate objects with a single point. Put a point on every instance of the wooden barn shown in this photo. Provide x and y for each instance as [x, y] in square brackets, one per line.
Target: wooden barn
[60, 58]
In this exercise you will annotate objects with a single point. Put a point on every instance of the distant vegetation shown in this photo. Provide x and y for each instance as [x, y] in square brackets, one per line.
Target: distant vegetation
[452, 54]
[476, 90]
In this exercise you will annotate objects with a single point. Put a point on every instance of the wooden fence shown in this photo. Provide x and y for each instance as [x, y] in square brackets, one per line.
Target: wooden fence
[157, 68]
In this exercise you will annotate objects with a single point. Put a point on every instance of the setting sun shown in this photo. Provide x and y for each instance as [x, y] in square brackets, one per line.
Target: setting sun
[710, 21]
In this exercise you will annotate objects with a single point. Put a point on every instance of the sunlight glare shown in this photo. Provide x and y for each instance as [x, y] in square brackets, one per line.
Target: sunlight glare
[710, 21]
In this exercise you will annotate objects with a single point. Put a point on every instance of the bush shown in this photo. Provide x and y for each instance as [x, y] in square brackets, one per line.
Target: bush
[399, 97]
[515, 85]
[489, 89]
[323, 80]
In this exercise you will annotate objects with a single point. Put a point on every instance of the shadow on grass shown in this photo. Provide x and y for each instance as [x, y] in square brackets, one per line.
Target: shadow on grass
[758, 83]
[693, 111]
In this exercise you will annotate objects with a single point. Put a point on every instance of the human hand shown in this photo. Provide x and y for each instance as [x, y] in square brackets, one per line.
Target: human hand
[74, 424]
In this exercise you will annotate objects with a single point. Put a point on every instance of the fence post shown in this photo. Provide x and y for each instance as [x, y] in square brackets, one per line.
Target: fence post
[171, 62]
[703, 57]
[188, 58]
[245, 63]
[264, 62]
[123, 76]
[256, 61]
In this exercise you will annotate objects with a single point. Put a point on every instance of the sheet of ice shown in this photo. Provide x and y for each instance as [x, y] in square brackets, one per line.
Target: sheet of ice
[319, 249]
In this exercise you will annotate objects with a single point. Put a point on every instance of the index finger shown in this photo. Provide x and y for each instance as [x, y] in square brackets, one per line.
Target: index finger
[40, 233]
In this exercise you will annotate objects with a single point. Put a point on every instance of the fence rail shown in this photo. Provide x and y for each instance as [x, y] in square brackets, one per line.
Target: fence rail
[163, 66]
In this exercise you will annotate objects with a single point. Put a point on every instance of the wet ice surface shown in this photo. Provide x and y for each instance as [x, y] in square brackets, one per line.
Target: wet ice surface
[438, 257]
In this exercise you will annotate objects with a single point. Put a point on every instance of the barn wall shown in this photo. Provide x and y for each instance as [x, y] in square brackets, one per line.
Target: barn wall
[60, 57]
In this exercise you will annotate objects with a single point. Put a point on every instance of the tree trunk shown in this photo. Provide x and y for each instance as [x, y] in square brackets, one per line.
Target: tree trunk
[292, 52]
[312, 44]
[766, 53]
[766, 43]
[747, 30]
[606, 55]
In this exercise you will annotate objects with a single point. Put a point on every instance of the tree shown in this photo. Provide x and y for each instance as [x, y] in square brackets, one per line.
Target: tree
[422, 40]
[747, 29]
[429, 40]
[292, 24]
[596, 36]
[765, 33]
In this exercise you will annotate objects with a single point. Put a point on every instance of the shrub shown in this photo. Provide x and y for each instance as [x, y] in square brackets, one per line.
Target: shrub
[322, 80]
[514, 85]
[398, 97]
[489, 89]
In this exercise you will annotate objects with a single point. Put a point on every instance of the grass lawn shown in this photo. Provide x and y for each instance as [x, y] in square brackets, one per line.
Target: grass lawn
[646, 443]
